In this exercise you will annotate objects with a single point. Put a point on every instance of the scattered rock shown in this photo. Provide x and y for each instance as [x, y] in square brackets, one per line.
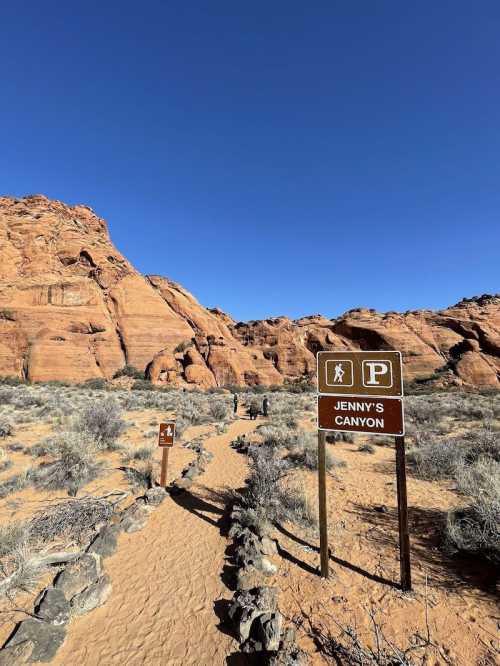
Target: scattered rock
[16, 655]
[79, 575]
[190, 472]
[106, 541]
[53, 606]
[15, 447]
[248, 578]
[135, 517]
[268, 546]
[95, 595]
[181, 484]
[45, 637]
[155, 496]
[269, 630]
[248, 605]
[380, 508]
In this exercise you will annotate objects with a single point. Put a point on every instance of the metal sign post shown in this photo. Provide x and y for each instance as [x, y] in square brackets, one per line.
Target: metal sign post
[166, 437]
[362, 392]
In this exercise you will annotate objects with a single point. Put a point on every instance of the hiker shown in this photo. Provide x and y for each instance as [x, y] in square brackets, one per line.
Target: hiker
[253, 411]
[235, 403]
[265, 406]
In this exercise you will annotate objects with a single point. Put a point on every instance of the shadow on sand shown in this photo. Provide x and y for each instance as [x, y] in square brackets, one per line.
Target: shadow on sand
[426, 526]
[333, 558]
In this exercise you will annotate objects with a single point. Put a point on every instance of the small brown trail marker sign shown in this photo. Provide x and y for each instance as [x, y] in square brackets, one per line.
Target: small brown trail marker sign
[166, 439]
[362, 392]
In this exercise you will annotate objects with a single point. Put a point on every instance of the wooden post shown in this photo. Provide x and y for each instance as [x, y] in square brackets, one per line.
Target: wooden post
[164, 465]
[404, 534]
[323, 527]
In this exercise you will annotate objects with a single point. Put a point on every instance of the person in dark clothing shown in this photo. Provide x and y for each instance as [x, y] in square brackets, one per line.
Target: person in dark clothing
[253, 411]
[265, 406]
[235, 403]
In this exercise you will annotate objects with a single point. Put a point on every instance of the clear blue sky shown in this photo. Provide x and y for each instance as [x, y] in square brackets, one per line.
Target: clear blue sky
[273, 157]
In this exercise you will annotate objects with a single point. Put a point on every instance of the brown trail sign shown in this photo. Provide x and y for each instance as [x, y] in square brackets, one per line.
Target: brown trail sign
[166, 437]
[362, 392]
[378, 416]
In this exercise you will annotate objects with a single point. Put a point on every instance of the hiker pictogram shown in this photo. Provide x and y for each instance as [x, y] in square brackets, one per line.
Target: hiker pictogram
[339, 373]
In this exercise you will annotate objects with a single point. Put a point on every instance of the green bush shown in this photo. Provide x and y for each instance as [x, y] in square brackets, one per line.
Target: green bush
[182, 346]
[129, 371]
[96, 384]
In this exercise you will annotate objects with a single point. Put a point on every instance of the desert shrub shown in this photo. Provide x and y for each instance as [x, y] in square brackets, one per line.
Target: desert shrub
[278, 435]
[15, 483]
[305, 454]
[366, 448]
[103, 421]
[150, 434]
[332, 437]
[475, 529]
[266, 493]
[129, 371]
[142, 453]
[140, 477]
[6, 428]
[5, 461]
[6, 396]
[73, 519]
[74, 463]
[12, 536]
[96, 384]
[296, 508]
[143, 385]
[438, 459]
[444, 458]
[218, 410]
[11, 381]
[182, 346]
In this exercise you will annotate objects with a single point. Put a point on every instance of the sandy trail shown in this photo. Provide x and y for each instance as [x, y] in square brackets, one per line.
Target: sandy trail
[166, 579]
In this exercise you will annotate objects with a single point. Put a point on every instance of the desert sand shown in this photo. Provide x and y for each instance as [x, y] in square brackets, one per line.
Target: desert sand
[170, 593]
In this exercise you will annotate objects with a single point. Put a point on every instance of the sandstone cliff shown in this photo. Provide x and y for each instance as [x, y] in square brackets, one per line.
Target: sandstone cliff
[73, 308]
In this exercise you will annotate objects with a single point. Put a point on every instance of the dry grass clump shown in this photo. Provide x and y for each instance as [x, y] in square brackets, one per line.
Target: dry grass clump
[304, 453]
[271, 499]
[473, 462]
[74, 463]
[140, 477]
[6, 428]
[475, 529]
[218, 410]
[15, 483]
[74, 519]
[102, 421]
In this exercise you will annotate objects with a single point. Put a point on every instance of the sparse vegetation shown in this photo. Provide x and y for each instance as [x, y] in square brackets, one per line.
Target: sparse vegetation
[183, 346]
[6, 428]
[103, 421]
[129, 371]
[366, 448]
[304, 453]
[74, 463]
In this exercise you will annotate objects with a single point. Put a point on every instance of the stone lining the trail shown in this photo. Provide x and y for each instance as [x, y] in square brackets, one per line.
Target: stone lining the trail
[253, 613]
[193, 470]
[82, 585]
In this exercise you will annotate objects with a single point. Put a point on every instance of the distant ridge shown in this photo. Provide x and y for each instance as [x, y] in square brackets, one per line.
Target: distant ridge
[73, 308]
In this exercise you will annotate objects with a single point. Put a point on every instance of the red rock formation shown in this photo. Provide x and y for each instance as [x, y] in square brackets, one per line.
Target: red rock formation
[73, 308]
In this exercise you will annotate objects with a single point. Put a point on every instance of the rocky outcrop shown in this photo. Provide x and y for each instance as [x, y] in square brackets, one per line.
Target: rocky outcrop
[73, 308]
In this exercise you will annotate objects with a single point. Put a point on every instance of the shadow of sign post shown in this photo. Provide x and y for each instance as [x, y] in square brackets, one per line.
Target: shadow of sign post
[360, 391]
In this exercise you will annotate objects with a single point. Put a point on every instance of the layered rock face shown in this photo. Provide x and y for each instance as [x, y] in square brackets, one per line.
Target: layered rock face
[73, 308]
